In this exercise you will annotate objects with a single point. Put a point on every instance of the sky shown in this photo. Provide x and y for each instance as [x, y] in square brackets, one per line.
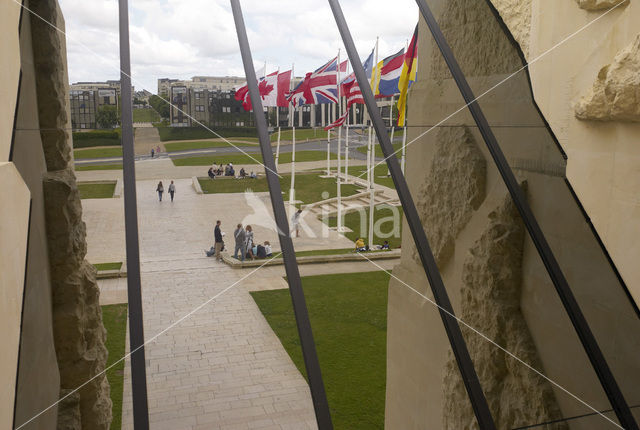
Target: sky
[185, 38]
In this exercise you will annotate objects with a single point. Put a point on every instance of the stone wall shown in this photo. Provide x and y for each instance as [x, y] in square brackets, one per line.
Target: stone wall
[77, 318]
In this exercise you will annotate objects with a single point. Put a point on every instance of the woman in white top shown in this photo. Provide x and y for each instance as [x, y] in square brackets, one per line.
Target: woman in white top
[249, 242]
[295, 220]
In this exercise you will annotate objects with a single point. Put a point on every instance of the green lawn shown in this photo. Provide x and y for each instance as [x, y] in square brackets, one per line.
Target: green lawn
[145, 115]
[379, 173]
[183, 146]
[96, 191]
[99, 167]
[378, 149]
[243, 159]
[114, 318]
[98, 152]
[348, 313]
[383, 215]
[108, 266]
[309, 187]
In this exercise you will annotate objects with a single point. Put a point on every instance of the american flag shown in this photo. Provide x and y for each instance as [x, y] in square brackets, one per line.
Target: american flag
[318, 87]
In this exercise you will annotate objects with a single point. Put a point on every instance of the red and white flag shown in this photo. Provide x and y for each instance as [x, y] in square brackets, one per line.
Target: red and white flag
[340, 121]
[273, 89]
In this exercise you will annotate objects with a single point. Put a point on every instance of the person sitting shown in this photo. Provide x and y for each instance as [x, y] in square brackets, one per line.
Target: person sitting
[253, 175]
[232, 172]
[360, 246]
[267, 248]
[226, 170]
[243, 173]
[385, 245]
[211, 173]
[261, 252]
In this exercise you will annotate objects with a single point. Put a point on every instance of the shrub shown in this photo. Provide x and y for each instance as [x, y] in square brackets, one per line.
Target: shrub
[87, 139]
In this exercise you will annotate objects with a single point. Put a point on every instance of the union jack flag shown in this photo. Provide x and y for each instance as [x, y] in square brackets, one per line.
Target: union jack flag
[317, 87]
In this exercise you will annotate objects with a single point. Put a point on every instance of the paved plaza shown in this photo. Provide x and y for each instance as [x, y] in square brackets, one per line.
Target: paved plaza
[222, 367]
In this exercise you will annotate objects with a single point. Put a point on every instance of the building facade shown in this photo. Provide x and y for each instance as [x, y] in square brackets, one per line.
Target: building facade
[86, 99]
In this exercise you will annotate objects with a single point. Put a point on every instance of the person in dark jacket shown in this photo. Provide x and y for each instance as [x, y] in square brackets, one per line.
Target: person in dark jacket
[160, 190]
[217, 234]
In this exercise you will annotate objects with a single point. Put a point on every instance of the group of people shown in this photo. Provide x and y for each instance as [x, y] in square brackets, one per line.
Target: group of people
[228, 170]
[244, 244]
[171, 190]
[155, 151]
[362, 247]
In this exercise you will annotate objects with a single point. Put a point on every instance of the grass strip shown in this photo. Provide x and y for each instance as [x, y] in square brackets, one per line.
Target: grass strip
[348, 313]
[114, 318]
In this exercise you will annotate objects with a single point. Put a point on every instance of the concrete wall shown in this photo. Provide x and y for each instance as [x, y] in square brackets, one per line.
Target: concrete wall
[493, 274]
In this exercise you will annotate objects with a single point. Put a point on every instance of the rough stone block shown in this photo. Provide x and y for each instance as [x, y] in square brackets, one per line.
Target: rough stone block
[452, 191]
[615, 95]
[490, 303]
[598, 4]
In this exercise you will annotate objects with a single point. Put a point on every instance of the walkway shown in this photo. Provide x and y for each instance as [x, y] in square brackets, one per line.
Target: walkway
[222, 367]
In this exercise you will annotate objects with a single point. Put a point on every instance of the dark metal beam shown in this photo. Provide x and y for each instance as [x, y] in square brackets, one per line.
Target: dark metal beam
[458, 345]
[580, 324]
[316, 385]
[134, 293]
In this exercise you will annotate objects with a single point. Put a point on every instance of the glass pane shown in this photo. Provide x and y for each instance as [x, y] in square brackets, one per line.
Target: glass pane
[504, 290]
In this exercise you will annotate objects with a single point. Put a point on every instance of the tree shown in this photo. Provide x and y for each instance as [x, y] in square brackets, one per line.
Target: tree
[161, 106]
[107, 117]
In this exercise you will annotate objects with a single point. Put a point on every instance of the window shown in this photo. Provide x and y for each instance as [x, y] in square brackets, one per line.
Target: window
[199, 108]
[226, 109]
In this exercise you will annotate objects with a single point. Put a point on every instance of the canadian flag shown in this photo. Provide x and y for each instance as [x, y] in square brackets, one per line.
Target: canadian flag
[272, 89]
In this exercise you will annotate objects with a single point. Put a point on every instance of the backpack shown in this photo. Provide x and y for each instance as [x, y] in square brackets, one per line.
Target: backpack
[262, 253]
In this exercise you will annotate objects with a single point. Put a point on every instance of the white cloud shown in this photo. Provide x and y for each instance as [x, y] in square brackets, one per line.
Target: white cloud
[184, 38]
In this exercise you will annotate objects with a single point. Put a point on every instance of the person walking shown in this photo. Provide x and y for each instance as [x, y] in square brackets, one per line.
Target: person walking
[240, 236]
[160, 190]
[295, 220]
[152, 152]
[217, 234]
[172, 189]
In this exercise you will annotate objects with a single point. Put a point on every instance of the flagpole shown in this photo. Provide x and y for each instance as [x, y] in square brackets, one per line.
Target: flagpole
[339, 191]
[371, 175]
[278, 145]
[292, 189]
[346, 122]
[404, 122]
[404, 146]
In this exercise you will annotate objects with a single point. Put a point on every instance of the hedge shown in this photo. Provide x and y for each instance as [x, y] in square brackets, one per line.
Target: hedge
[87, 139]
[193, 133]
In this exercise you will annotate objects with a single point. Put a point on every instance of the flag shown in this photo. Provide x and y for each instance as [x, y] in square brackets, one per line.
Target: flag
[408, 75]
[337, 123]
[284, 86]
[351, 89]
[268, 88]
[272, 88]
[318, 87]
[386, 75]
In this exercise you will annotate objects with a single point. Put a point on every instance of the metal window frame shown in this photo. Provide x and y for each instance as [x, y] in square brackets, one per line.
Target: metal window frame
[589, 343]
[134, 293]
